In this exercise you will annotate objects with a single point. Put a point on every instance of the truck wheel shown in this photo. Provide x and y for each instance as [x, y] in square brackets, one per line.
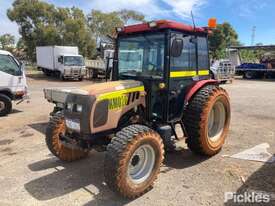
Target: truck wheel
[249, 75]
[61, 76]
[133, 160]
[5, 105]
[56, 127]
[207, 119]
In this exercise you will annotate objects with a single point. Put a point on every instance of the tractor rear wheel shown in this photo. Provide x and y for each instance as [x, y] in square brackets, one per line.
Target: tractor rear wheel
[133, 160]
[56, 127]
[207, 119]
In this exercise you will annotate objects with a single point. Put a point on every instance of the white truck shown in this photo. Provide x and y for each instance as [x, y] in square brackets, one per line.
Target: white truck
[13, 85]
[61, 61]
[97, 67]
[222, 70]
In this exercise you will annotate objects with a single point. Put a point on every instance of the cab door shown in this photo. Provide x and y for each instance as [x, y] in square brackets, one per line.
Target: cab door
[190, 66]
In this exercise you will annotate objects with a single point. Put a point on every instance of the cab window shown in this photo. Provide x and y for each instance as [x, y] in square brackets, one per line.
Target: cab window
[8, 65]
[187, 59]
[203, 63]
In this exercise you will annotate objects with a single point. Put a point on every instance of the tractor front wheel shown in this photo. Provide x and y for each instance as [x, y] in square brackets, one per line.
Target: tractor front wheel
[133, 160]
[56, 126]
[207, 119]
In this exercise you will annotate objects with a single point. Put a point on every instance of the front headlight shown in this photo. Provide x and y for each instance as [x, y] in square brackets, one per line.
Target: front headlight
[83, 71]
[67, 71]
[72, 124]
[79, 108]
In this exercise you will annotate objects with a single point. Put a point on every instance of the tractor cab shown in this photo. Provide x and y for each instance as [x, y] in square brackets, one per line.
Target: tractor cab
[167, 57]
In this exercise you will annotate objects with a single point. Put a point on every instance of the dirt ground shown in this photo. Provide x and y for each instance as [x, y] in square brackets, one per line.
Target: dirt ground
[30, 175]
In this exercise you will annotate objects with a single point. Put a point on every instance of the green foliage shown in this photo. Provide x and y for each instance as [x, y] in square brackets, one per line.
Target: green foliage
[42, 24]
[6, 41]
[105, 23]
[223, 37]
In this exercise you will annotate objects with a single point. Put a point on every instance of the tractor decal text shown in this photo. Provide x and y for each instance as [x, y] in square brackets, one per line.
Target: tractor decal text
[118, 102]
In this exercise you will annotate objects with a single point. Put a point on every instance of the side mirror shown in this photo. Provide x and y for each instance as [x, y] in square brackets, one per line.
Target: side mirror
[60, 60]
[176, 48]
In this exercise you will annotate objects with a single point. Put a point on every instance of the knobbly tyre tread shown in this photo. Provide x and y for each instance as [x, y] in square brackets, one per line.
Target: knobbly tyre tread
[120, 150]
[195, 118]
[56, 126]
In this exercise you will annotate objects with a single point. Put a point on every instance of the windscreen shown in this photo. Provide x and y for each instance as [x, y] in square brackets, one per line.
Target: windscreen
[141, 55]
[8, 65]
[73, 61]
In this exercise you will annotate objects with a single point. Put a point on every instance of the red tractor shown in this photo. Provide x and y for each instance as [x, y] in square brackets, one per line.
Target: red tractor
[160, 78]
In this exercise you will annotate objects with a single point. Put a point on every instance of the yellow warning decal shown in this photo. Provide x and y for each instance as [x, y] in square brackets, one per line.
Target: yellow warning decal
[118, 102]
[188, 73]
[119, 99]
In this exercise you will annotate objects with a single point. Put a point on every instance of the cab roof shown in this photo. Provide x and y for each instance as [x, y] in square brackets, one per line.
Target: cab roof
[3, 52]
[162, 24]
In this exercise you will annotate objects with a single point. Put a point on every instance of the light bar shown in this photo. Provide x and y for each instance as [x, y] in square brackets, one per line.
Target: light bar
[153, 24]
[119, 29]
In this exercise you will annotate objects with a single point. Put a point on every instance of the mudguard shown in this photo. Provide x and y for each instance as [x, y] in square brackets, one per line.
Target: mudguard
[194, 88]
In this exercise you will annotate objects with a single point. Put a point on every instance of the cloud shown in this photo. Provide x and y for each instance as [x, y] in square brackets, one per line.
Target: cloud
[152, 9]
[148, 7]
[183, 8]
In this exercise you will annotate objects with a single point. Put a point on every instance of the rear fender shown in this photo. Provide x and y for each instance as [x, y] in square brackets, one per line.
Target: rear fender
[195, 87]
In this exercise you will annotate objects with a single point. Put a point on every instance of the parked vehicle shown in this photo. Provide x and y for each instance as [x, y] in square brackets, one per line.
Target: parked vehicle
[222, 70]
[96, 68]
[13, 84]
[264, 67]
[133, 117]
[62, 61]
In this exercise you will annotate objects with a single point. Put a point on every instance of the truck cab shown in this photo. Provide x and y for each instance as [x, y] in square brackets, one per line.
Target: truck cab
[13, 85]
[71, 66]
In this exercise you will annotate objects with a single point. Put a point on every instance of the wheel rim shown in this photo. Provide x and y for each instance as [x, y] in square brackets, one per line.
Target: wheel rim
[2, 106]
[141, 163]
[216, 121]
[248, 75]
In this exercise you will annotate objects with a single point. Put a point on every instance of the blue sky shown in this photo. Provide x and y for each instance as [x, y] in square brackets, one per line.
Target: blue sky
[242, 14]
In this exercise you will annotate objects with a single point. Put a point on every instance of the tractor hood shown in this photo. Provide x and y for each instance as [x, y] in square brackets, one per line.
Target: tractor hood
[99, 89]
[102, 104]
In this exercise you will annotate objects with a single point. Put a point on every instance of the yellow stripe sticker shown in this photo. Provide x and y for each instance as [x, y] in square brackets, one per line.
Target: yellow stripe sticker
[115, 94]
[188, 73]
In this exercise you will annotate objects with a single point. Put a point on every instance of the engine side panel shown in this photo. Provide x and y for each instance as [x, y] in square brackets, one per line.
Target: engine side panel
[118, 103]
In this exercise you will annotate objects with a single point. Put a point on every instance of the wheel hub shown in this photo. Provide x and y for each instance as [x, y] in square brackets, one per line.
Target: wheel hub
[2, 106]
[216, 121]
[135, 160]
[141, 164]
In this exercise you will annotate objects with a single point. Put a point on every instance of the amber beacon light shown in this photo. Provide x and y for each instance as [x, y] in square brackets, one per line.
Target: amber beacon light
[212, 23]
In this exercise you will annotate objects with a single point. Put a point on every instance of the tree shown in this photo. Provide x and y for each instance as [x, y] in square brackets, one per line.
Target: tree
[128, 15]
[223, 37]
[7, 41]
[103, 24]
[42, 24]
